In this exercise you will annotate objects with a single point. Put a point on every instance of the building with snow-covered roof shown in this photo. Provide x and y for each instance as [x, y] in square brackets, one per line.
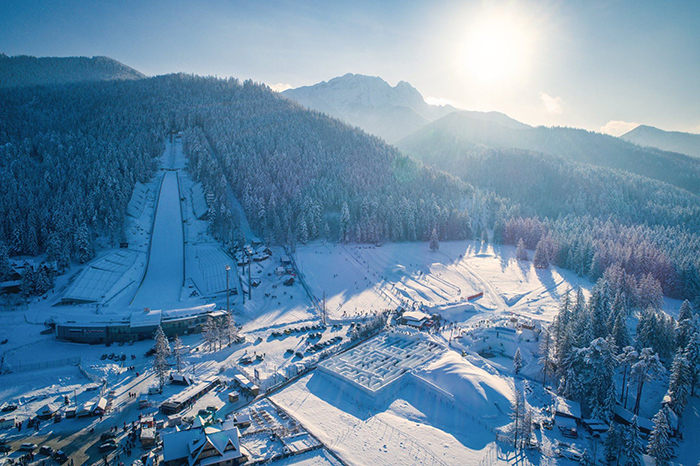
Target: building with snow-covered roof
[207, 446]
[139, 325]
[179, 401]
[416, 319]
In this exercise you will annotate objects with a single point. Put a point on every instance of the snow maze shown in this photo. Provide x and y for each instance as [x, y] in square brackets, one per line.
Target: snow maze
[373, 366]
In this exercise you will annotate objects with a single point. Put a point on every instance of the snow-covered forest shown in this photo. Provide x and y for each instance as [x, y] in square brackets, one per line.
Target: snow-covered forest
[591, 217]
[71, 154]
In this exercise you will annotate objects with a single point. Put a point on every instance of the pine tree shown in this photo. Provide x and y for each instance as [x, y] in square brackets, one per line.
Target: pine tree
[5, 267]
[160, 363]
[646, 368]
[627, 358]
[633, 444]
[517, 409]
[230, 329]
[520, 251]
[619, 330]
[434, 244]
[601, 363]
[83, 244]
[211, 332]
[517, 362]
[546, 359]
[541, 259]
[613, 444]
[687, 325]
[659, 446]
[679, 383]
[692, 355]
[345, 223]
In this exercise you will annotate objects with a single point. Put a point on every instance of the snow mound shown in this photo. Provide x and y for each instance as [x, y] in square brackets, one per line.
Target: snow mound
[482, 392]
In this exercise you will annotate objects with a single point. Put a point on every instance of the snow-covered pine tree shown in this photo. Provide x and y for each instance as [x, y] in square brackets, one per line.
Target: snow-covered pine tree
[434, 244]
[517, 361]
[613, 444]
[520, 251]
[692, 355]
[632, 447]
[647, 367]
[679, 383]
[659, 446]
[211, 332]
[230, 329]
[627, 358]
[601, 363]
[546, 359]
[83, 242]
[541, 257]
[619, 330]
[160, 360]
[345, 223]
[687, 325]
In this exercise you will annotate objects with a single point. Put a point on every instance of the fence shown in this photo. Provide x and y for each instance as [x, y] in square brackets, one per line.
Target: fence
[42, 365]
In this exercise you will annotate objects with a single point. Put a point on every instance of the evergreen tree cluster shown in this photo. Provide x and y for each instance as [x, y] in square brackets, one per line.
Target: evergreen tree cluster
[71, 154]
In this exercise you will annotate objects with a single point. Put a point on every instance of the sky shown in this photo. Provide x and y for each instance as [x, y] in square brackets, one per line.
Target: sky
[600, 65]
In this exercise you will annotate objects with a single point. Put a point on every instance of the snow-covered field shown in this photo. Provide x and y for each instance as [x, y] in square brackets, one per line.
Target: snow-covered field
[402, 398]
[359, 279]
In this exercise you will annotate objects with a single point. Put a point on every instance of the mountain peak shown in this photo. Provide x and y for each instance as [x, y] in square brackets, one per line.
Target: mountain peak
[674, 141]
[25, 70]
[371, 103]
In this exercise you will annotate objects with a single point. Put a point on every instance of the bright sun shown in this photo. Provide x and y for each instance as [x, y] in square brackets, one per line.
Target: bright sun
[495, 50]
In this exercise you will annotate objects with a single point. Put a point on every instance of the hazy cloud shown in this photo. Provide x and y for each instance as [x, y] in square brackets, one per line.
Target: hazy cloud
[618, 128]
[552, 104]
[279, 87]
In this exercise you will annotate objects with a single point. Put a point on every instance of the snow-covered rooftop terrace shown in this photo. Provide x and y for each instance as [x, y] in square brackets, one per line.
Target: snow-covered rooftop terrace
[382, 360]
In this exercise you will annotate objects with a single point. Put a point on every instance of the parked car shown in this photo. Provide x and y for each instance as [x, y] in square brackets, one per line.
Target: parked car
[107, 436]
[46, 450]
[60, 457]
[108, 446]
[5, 448]
[27, 447]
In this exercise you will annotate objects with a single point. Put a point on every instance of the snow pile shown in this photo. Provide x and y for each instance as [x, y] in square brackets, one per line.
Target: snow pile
[480, 391]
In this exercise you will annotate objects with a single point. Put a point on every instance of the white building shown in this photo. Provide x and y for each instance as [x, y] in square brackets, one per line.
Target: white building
[208, 446]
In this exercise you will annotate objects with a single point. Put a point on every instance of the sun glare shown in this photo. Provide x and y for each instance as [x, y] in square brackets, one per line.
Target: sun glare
[495, 50]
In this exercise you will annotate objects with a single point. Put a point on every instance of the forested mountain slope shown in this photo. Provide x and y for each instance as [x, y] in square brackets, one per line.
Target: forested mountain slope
[457, 131]
[675, 141]
[592, 217]
[70, 155]
[24, 70]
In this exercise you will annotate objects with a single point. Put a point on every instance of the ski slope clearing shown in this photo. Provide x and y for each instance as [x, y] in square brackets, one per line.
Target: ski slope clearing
[165, 272]
[358, 280]
[273, 303]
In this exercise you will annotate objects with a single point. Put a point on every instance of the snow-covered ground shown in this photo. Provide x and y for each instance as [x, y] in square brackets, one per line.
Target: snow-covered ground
[165, 272]
[359, 279]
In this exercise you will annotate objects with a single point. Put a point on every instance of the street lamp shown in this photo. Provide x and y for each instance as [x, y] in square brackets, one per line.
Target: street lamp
[228, 268]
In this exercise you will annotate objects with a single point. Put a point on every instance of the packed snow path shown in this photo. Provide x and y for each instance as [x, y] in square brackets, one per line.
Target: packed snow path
[164, 276]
